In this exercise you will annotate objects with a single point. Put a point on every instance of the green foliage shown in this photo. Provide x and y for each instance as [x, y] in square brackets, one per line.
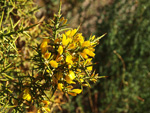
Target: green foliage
[30, 71]
[17, 21]
[124, 57]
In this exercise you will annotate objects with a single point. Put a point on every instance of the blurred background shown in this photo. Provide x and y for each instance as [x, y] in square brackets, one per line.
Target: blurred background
[123, 55]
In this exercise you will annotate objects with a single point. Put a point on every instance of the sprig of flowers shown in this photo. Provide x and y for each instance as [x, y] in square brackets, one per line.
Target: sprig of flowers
[63, 62]
[68, 57]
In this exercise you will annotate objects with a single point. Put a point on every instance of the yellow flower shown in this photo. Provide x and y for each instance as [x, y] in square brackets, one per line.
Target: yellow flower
[53, 63]
[60, 86]
[81, 80]
[68, 80]
[73, 32]
[90, 68]
[60, 50]
[80, 38]
[44, 45]
[86, 51]
[69, 86]
[68, 33]
[86, 44]
[47, 55]
[69, 66]
[65, 41]
[78, 70]
[84, 55]
[26, 94]
[91, 49]
[70, 77]
[78, 91]
[74, 92]
[86, 85]
[72, 46]
[91, 53]
[69, 59]
[46, 102]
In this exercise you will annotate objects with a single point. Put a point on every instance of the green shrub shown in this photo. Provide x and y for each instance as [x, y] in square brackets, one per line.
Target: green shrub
[124, 57]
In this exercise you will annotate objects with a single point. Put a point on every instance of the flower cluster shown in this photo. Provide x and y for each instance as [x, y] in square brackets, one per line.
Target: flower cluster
[68, 60]
[64, 61]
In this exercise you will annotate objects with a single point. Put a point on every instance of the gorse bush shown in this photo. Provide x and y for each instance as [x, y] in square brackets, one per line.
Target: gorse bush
[30, 70]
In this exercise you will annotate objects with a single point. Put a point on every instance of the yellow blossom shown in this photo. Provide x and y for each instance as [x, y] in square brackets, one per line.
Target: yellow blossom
[26, 94]
[94, 80]
[80, 38]
[74, 92]
[46, 102]
[68, 33]
[85, 85]
[47, 55]
[78, 70]
[84, 55]
[60, 50]
[91, 53]
[69, 86]
[44, 45]
[53, 63]
[86, 44]
[72, 46]
[86, 51]
[69, 59]
[91, 49]
[78, 91]
[72, 33]
[69, 66]
[81, 80]
[65, 41]
[90, 68]
[70, 77]
[60, 86]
